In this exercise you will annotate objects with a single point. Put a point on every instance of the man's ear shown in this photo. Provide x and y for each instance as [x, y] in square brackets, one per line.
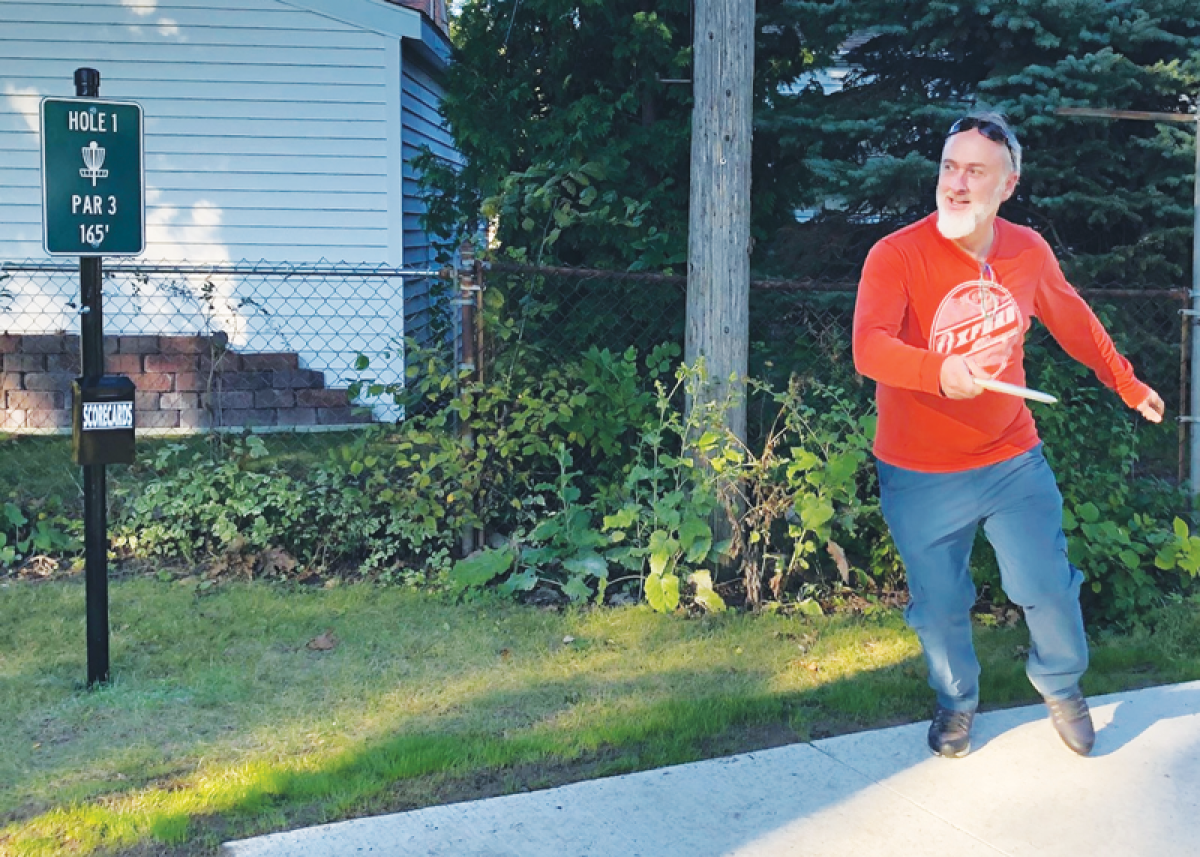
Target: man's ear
[1010, 185]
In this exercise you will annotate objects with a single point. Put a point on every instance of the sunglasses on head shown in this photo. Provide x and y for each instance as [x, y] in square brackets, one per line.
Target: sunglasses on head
[987, 128]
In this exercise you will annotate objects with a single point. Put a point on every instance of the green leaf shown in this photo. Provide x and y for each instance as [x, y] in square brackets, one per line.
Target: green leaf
[480, 568]
[814, 511]
[802, 460]
[662, 551]
[587, 564]
[546, 529]
[654, 593]
[841, 468]
[706, 596]
[809, 607]
[662, 592]
[1088, 512]
[695, 538]
[1181, 528]
[577, 590]
[621, 519]
[522, 581]
[708, 440]
[14, 516]
[1130, 558]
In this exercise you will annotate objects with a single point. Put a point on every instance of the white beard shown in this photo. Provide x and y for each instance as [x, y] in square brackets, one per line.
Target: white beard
[957, 224]
[960, 224]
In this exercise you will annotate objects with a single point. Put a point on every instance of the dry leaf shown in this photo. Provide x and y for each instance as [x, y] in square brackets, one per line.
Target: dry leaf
[275, 561]
[776, 584]
[325, 642]
[839, 559]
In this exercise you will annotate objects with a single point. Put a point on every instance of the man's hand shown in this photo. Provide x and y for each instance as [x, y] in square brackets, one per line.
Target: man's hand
[958, 378]
[1152, 408]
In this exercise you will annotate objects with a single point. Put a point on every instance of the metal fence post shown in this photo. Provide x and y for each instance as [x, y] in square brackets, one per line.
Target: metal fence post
[1185, 339]
[1194, 398]
[477, 318]
[469, 356]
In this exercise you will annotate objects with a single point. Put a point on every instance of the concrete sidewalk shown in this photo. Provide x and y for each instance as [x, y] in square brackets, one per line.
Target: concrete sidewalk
[871, 794]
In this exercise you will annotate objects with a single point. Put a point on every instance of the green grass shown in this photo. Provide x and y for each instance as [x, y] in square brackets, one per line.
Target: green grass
[221, 722]
[38, 466]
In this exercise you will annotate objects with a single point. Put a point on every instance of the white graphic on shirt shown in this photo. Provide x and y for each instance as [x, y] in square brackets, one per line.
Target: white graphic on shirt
[979, 319]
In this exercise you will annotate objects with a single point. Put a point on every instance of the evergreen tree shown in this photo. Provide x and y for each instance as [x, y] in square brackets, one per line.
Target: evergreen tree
[1113, 197]
[574, 117]
[576, 140]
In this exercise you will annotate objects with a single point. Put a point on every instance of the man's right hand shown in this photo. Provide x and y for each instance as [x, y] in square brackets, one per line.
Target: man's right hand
[958, 378]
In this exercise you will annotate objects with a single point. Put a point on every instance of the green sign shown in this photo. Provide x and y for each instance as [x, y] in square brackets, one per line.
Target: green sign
[93, 186]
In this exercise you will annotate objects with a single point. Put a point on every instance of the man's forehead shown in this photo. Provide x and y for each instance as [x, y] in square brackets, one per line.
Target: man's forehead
[957, 163]
[972, 148]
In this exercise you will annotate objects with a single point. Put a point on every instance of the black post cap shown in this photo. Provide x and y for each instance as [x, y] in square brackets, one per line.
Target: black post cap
[87, 82]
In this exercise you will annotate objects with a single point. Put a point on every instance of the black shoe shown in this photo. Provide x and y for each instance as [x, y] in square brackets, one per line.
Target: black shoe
[950, 732]
[1073, 721]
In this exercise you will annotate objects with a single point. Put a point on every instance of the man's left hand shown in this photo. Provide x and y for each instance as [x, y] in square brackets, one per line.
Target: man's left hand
[1152, 408]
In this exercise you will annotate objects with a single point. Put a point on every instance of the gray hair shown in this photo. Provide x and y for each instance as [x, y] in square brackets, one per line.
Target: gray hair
[1010, 138]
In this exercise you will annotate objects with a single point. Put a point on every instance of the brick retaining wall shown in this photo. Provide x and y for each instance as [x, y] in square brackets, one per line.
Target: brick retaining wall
[183, 382]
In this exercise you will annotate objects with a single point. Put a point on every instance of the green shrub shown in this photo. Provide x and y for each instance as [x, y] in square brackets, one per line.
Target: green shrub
[1116, 520]
[648, 524]
[589, 479]
[37, 527]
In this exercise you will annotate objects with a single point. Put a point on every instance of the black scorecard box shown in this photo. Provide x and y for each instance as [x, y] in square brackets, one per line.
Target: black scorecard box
[102, 420]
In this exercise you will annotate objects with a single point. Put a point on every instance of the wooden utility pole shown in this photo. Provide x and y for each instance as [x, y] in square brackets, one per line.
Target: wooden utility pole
[718, 290]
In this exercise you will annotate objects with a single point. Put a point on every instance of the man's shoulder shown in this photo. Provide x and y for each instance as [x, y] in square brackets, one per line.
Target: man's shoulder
[1021, 237]
[917, 232]
[907, 242]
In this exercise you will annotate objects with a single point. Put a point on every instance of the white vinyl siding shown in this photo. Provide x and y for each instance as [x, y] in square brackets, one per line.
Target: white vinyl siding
[266, 126]
[273, 131]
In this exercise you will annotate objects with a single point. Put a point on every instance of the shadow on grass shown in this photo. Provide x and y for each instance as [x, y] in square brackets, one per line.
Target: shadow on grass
[564, 743]
[387, 774]
[580, 727]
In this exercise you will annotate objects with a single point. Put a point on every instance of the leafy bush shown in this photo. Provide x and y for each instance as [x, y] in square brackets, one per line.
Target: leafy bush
[37, 527]
[591, 481]
[654, 526]
[1114, 519]
[648, 523]
[196, 504]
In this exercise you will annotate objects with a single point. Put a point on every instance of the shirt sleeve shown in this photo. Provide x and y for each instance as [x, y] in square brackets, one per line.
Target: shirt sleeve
[1073, 324]
[881, 318]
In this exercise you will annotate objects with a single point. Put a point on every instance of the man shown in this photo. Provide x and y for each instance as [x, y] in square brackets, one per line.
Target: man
[941, 303]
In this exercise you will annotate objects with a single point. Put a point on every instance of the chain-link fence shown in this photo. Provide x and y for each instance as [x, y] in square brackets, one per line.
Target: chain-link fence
[280, 351]
[803, 328]
[211, 348]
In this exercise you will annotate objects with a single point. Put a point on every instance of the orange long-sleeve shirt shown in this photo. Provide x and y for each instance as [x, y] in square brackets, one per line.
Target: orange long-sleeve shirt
[922, 298]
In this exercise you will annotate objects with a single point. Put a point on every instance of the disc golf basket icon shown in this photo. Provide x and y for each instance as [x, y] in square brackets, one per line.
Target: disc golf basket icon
[93, 159]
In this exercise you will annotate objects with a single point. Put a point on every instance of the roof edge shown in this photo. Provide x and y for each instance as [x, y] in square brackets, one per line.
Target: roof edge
[379, 16]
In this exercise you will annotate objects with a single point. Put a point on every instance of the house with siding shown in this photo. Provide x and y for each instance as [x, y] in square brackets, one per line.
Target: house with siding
[282, 204]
